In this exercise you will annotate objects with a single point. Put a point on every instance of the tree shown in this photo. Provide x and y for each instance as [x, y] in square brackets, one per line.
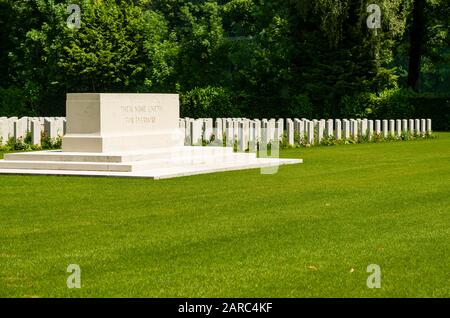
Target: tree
[6, 43]
[257, 58]
[416, 44]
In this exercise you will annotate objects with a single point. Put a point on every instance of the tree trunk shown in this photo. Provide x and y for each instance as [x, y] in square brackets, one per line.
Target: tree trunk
[416, 44]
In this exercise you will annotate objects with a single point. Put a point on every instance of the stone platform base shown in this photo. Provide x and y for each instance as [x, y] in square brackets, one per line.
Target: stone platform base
[156, 163]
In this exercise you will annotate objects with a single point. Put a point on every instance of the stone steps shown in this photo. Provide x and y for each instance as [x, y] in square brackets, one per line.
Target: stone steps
[90, 162]
[164, 173]
[194, 160]
[180, 171]
[63, 165]
[161, 153]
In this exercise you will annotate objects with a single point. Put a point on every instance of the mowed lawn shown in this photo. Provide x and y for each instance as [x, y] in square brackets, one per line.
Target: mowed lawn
[310, 230]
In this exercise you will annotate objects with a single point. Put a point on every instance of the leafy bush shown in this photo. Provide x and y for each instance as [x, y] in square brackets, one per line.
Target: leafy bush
[390, 103]
[24, 144]
[50, 143]
[208, 102]
[300, 106]
[436, 107]
[18, 145]
[394, 103]
[376, 138]
[12, 102]
[359, 105]
[399, 103]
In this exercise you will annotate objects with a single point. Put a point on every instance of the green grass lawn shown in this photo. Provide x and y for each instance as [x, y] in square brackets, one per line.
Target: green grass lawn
[309, 230]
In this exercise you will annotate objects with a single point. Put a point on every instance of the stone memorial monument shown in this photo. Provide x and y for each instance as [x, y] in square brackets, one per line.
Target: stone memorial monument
[129, 135]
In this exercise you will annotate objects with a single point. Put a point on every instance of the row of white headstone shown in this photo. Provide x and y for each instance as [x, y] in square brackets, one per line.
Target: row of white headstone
[244, 132]
[247, 133]
[18, 128]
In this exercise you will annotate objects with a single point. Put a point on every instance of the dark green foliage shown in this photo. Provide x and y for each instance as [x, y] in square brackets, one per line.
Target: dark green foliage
[15, 145]
[24, 144]
[399, 103]
[50, 143]
[436, 107]
[394, 104]
[12, 102]
[250, 58]
[388, 104]
[208, 102]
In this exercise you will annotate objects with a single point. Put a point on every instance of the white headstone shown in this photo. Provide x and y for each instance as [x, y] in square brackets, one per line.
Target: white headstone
[310, 126]
[417, 126]
[235, 129]
[423, 126]
[196, 132]
[404, 125]
[257, 130]
[11, 121]
[59, 126]
[265, 131]
[338, 129]
[320, 130]
[354, 128]
[370, 129]
[182, 126]
[290, 132]
[20, 128]
[346, 125]
[280, 128]
[229, 132]
[264, 134]
[218, 132]
[187, 132]
[392, 127]
[250, 127]
[35, 132]
[300, 129]
[411, 126]
[4, 129]
[364, 127]
[29, 120]
[297, 127]
[252, 136]
[271, 129]
[398, 126]
[246, 131]
[50, 128]
[385, 128]
[330, 127]
[207, 129]
[378, 127]
[242, 141]
[224, 126]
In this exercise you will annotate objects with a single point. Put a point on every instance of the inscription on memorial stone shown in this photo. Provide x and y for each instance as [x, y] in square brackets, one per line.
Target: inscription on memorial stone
[140, 114]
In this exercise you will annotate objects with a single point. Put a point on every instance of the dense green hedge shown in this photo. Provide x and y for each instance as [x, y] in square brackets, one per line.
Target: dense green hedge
[12, 102]
[435, 107]
[220, 102]
[394, 103]
[399, 103]
[208, 102]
